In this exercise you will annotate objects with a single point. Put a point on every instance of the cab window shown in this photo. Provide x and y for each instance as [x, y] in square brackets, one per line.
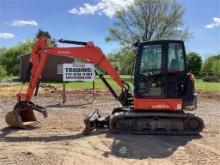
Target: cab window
[151, 62]
[150, 79]
[175, 57]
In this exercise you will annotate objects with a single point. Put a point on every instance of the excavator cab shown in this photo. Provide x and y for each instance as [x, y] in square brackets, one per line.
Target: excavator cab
[161, 72]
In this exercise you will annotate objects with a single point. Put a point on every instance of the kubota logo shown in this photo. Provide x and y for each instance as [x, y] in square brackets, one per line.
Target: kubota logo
[63, 52]
[160, 106]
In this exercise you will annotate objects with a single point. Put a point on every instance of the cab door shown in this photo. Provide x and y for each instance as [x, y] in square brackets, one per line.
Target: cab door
[150, 71]
[176, 70]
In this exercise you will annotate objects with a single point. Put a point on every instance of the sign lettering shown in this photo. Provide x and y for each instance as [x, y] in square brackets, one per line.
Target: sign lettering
[78, 72]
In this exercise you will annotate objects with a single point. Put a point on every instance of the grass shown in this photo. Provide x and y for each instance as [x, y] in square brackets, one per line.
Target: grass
[207, 86]
[200, 85]
[98, 83]
[9, 78]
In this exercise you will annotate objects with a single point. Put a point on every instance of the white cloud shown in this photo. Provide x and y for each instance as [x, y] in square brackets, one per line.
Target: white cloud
[107, 7]
[215, 23]
[24, 23]
[179, 28]
[6, 35]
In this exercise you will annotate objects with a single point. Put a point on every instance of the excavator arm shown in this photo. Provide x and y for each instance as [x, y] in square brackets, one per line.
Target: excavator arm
[87, 52]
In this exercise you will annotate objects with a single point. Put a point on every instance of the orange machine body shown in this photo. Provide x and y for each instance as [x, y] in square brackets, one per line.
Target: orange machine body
[157, 104]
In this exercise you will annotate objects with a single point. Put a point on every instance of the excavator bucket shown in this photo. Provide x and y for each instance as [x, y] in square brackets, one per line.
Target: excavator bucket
[20, 119]
[23, 116]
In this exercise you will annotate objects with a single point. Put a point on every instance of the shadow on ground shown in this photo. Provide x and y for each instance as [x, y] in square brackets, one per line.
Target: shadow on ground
[146, 146]
[124, 145]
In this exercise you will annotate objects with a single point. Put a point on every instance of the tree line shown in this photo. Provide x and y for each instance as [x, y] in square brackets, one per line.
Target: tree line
[123, 60]
[143, 20]
[147, 20]
[208, 69]
[10, 57]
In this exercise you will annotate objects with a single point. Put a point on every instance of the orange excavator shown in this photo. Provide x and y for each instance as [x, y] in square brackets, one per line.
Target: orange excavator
[164, 90]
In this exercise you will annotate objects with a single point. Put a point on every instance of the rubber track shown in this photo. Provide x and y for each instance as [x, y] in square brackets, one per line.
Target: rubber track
[168, 116]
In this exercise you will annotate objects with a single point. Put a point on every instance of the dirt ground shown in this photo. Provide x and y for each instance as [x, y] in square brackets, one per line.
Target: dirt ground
[58, 139]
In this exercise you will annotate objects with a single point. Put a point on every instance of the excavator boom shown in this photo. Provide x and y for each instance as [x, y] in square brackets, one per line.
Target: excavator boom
[87, 52]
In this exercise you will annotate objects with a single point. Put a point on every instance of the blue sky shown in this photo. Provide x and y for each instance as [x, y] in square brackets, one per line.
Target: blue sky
[86, 20]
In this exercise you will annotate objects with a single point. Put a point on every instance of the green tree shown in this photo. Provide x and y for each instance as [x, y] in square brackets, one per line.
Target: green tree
[42, 33]
[123, 61]
[194, 63]
[146, 20]
[47, 35]
[2, 50]
[3, 72]
[209, 66]
[9, 58]
[216, 68]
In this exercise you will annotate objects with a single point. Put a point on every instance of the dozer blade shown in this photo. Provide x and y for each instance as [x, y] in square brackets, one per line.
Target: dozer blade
[94, 121]
[23, 116]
